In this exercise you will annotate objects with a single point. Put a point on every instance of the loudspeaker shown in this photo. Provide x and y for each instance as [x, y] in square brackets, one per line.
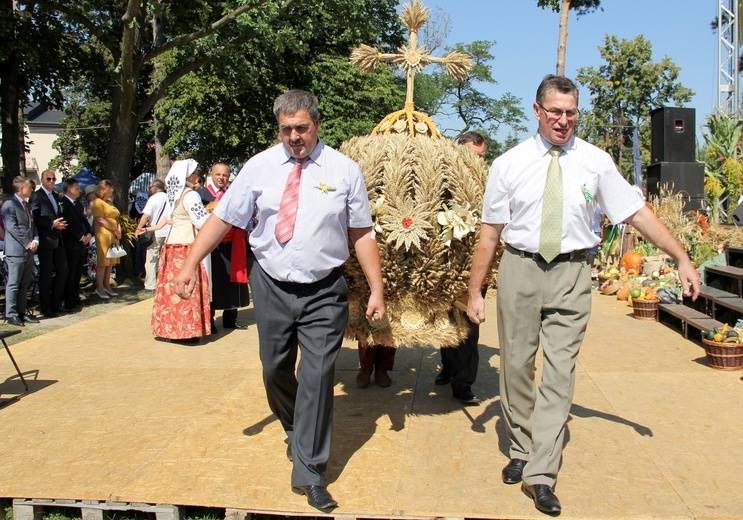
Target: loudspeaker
[672, 135]
[679, 177]
[738, 214]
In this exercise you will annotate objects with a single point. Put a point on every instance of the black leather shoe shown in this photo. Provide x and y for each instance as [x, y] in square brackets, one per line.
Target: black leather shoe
[511, 474]
[14, 320]
[289, 454]
[444, 378]
[544, 499]
[467, 398]
[234, 326]
[30, 318]
[317, 496]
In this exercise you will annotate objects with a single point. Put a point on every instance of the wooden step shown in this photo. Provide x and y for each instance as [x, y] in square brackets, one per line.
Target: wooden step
[688, 317]
[725, 277]
[734, 256]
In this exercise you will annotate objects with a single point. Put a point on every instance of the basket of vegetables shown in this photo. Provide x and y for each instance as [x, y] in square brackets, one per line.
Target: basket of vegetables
[724, 347]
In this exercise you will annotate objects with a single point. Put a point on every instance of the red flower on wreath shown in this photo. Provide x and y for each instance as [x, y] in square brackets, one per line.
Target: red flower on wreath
[407, 222]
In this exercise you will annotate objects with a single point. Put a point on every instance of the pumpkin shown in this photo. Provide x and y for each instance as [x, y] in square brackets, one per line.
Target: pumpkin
[623, 292]
[631, 260]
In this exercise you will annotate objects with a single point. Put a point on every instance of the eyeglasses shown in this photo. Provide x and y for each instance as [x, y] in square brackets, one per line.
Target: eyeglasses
[556, 114]
[51, 178]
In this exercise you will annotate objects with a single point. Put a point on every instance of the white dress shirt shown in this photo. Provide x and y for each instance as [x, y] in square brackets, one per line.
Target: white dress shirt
[332, 198]
[515, 189]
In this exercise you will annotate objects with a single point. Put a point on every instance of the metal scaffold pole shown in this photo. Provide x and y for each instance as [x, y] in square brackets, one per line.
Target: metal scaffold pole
[728, 94]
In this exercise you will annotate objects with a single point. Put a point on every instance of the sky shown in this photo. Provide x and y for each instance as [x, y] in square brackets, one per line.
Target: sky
[526, 42]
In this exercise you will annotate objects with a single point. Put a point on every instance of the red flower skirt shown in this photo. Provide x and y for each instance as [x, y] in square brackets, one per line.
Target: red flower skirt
[173, 317]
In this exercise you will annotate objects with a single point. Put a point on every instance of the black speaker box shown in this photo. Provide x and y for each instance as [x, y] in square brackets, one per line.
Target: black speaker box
[679, 177]
[738, 214]
[672, 135]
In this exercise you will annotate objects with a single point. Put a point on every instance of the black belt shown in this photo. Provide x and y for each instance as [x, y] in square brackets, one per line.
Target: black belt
[579, 254]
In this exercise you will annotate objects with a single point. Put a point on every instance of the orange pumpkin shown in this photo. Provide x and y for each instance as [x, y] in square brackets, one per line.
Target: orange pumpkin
[623, 292]
[631, 260]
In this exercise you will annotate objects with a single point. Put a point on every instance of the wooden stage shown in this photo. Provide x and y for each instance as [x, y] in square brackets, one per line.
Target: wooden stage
[121, 420]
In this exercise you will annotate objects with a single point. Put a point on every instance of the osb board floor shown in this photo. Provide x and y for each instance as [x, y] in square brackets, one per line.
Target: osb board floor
[116, 415]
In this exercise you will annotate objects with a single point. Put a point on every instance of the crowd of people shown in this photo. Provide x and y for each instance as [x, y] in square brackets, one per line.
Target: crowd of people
[540, 199]
[50, 238]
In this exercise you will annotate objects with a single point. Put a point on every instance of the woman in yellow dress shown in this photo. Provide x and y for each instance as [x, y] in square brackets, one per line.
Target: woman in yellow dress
[107, 231]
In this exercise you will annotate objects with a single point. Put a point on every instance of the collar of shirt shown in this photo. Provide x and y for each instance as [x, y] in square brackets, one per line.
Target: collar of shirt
[314, 155]
[20, 199]
[69, 198]
[544, 145]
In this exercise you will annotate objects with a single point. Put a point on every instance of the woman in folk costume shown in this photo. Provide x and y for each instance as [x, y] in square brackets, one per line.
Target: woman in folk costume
[174, 318]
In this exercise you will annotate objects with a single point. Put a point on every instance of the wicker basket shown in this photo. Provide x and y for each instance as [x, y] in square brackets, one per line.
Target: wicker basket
[646, 309]
[723, 356]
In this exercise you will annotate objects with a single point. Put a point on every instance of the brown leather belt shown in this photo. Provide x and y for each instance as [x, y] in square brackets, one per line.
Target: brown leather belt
[579, 254]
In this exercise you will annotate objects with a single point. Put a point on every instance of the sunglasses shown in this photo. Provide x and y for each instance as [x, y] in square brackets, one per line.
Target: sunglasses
[51, 178]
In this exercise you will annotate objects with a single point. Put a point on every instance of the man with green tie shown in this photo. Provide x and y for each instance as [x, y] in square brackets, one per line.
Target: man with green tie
[540, 198]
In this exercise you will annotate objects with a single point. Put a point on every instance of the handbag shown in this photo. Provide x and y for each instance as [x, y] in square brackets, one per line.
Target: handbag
[146, 238]
[115, 251]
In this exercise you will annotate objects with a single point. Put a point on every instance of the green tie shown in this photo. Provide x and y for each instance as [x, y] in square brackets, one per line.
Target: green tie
[550, 235]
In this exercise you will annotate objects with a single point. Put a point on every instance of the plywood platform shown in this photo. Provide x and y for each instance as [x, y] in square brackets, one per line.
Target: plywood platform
[114, 415]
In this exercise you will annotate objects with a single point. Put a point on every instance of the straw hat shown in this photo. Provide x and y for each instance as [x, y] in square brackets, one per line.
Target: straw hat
[90, 188]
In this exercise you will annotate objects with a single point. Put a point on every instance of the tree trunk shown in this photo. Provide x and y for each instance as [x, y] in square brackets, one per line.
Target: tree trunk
[10, 69]
[122, 140]
[562, 39]
[162, 129]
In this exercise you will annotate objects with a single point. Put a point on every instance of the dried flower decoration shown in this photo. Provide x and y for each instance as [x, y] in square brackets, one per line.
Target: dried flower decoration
[406, 225]
[457, 222]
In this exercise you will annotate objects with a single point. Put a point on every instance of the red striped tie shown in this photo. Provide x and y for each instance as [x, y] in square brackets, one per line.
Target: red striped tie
[287, 215]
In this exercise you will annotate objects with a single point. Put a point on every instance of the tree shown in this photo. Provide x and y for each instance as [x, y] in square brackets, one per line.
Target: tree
[118, 34]
[38, 57]
[623, 92]
[440, 95]
[213, 81]
[563, 7]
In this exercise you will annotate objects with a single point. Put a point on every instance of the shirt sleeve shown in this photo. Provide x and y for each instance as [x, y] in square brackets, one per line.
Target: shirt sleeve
[615, 195]
[237, 205]
[359, 213]
[195, 208]
[496, 207]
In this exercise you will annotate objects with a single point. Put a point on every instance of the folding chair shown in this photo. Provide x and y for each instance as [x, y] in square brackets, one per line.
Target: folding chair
[6, 334]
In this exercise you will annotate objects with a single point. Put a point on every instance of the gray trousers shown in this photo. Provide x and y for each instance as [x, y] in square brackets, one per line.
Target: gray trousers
[20, 275]
[547, 304]
[311, 317]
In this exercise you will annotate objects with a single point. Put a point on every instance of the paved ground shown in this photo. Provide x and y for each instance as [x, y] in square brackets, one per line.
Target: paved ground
[116, 415]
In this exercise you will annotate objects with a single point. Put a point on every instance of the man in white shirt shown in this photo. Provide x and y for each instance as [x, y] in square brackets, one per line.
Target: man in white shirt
[310, 202]
[152, 214]
[540, 198]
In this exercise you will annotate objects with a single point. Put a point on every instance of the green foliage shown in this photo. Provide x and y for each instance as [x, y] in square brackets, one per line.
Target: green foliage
[581, 7]
[222, 108]
[623, 92]
[723, 179]
[352, 102]
[436, 93]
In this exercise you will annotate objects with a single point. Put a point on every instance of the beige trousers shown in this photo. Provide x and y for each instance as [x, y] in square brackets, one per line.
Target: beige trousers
[150, 263]
[548, 305]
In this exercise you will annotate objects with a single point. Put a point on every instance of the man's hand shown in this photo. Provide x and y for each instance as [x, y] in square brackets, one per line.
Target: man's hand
[476, 309]
[59, 223]
[689, 280]
[34, 246]
[375, 309]
[184, 282]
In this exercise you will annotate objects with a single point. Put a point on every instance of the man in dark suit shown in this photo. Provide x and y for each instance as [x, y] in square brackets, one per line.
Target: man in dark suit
[44, 205]
[20, 244]
[76, 237]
